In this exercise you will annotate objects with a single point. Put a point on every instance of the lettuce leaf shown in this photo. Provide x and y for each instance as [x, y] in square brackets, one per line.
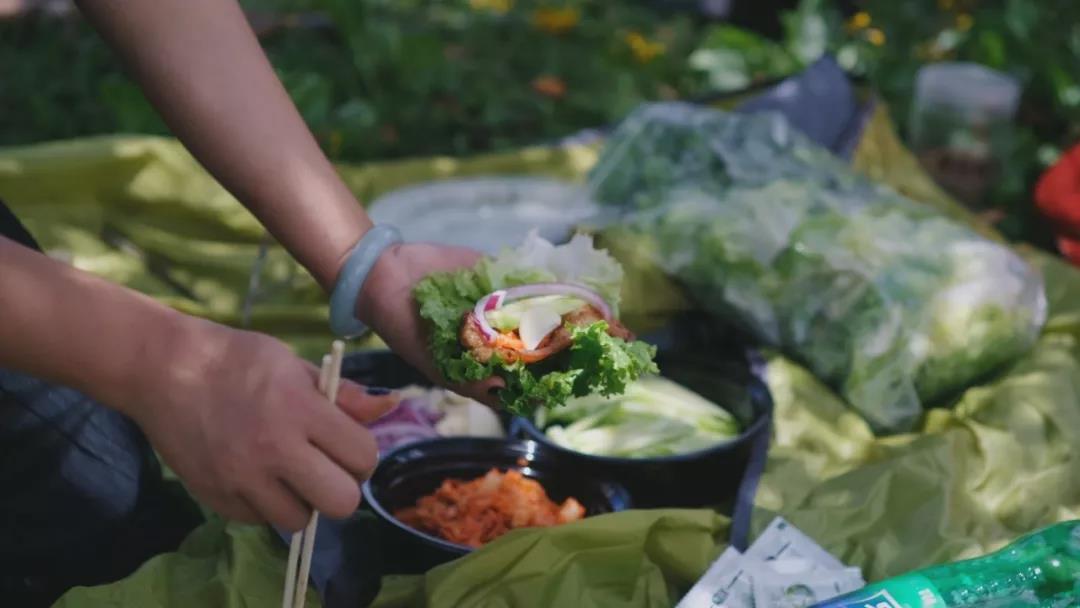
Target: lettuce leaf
[596, 363]
[539, 261]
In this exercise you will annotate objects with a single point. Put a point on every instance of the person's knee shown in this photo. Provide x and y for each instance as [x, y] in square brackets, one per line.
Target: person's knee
[83, 499]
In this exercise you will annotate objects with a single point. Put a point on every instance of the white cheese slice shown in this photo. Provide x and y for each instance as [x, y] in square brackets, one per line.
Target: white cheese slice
[536, 324]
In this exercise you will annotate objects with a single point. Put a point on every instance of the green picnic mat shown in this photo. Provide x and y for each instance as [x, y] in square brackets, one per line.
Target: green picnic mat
[998, 463]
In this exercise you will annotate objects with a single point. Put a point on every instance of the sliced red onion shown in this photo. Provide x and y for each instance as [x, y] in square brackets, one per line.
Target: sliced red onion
[480, 317]
[560, 289]
[390, 436]
[415, 410]
[495, 300]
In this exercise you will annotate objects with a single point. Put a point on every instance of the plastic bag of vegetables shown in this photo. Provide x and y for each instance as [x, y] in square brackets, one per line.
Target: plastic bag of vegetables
[891, 303]
[542, 317]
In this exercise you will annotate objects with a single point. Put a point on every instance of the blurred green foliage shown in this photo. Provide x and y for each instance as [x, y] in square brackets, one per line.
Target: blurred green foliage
[885, 42]
[388, 78]
[394, 78]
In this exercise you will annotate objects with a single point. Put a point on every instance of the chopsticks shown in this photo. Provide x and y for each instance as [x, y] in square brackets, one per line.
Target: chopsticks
[303, 542]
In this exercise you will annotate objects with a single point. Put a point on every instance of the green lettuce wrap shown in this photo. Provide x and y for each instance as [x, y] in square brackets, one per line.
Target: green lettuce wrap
[596, 359]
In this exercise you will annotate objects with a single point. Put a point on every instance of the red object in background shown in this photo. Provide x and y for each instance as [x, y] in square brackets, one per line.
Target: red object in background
[1070, 248]
[1057, 194]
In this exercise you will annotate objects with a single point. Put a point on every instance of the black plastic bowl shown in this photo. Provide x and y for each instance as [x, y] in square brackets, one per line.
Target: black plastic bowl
[417, 469]
[705, 478]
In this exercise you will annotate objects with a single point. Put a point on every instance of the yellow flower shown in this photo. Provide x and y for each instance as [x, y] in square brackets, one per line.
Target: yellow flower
[644, 50]
[556, 20]
[964, 21]
[858, 21]
[927, 51]
[875, 36]
[946, 5]
[496, 6]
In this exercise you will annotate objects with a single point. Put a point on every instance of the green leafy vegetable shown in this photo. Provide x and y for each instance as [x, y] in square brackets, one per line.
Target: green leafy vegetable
[890, 302]
[595, 363]
[654, 417]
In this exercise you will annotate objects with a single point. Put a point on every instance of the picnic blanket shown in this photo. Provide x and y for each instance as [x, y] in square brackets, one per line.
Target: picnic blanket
[997, 462]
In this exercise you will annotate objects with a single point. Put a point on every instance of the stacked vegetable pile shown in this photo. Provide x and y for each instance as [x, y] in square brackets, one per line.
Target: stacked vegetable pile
[894, 305]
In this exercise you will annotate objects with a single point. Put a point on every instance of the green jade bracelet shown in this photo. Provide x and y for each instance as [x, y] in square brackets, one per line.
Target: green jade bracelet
[354, 273]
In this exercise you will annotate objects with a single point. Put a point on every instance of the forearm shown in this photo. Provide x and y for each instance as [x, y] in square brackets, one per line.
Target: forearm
[202, 67]
[72, 328]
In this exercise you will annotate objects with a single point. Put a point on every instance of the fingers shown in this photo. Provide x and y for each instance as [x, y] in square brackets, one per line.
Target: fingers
[365, 404]
[236, 509]
[323, 483]
[484, 391]
[348, 444]
[278, 504]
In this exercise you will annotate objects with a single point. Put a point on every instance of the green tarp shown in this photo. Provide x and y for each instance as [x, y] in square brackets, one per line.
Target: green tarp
[999, 462]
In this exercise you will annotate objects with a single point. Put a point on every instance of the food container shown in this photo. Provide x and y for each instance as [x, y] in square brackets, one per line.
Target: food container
[417, 469]
[489, 213]
[961, 125]
[694, 353]
[705, 478]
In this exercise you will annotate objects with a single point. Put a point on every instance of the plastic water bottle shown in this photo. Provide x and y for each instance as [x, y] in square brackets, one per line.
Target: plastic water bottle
[1041, 569]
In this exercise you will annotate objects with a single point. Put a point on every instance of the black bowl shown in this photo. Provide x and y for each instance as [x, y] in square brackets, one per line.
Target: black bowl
[417, 469]
[705, 478]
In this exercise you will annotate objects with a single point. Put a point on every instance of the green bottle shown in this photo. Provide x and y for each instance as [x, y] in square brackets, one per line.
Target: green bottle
[1041, 569]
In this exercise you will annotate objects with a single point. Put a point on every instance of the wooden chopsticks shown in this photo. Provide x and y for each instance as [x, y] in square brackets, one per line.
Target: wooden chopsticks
[303, 542]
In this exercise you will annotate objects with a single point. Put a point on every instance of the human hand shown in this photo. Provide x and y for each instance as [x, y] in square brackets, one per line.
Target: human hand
[387, 305]
[240, 419]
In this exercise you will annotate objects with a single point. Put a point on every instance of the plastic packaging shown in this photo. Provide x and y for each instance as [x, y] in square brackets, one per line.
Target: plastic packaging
[881, 297]
[1040, 570]
[961, 125]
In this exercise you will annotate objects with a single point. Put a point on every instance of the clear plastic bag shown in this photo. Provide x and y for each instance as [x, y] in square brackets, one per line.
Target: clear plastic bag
[891, 303]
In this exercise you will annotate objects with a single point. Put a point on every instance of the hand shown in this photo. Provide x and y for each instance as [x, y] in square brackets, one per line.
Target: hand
[386, 304]
[239, 418]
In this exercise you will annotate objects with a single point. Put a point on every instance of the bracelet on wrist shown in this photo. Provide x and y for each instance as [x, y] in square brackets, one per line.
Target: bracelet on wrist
[353, 274]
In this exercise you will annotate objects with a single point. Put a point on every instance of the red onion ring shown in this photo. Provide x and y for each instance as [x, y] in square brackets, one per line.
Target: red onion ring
[496, 300]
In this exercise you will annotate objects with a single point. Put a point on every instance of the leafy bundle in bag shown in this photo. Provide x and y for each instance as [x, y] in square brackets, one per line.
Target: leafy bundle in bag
[542, 317]
[889, 302]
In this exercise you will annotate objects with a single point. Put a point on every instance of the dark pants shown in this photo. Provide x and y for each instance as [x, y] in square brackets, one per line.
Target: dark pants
[82, 499]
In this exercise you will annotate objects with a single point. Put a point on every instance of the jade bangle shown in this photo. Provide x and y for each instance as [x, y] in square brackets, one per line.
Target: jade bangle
[354, 273]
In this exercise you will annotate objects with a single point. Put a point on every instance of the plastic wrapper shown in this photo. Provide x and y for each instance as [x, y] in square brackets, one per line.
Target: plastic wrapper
[888, 301]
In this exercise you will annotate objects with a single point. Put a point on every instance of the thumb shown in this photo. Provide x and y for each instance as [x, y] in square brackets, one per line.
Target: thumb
[365, 404]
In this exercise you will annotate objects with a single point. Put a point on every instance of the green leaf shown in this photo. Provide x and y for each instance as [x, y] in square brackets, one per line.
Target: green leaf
[607, 364]
[130, 108]
[726, 70]
[807, 31]
[731, 58]
[596, 361]
[312, 93]
[357, 114]
[992, 47]
[1022, 18]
